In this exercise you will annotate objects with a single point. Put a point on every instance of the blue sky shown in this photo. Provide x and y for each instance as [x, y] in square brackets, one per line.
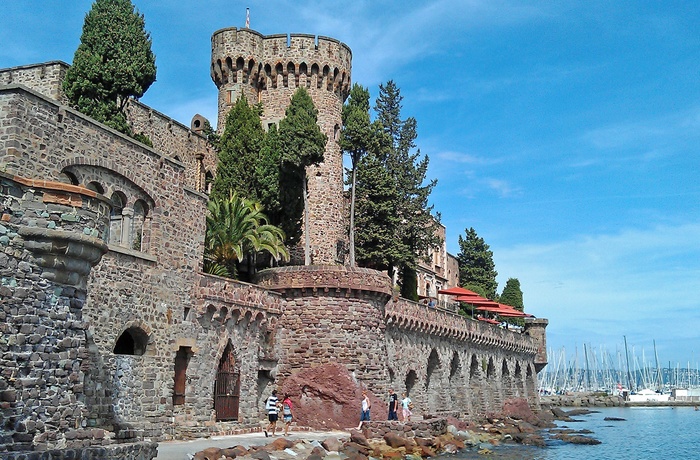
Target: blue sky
[566, 133]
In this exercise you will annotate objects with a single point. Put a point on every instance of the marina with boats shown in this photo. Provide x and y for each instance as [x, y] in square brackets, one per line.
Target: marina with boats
[625, 376]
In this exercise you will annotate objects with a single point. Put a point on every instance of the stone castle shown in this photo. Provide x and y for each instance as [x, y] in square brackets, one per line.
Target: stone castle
[112, 336]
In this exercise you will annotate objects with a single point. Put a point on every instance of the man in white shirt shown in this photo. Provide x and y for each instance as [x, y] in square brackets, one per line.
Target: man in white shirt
[272, 413]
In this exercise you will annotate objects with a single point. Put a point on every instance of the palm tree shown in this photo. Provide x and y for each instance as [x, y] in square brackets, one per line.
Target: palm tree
[237, 230]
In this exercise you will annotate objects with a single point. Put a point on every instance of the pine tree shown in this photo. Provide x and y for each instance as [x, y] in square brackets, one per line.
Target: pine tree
[476, 266]
[239, 152]
[416, 230]
[113, 63]
[376, 220]
[302, 144]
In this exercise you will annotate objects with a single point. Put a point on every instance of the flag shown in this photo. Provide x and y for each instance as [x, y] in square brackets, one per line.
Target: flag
[247, 18]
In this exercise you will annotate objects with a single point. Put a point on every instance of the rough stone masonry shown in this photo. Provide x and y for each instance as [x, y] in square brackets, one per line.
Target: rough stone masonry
[111, 334]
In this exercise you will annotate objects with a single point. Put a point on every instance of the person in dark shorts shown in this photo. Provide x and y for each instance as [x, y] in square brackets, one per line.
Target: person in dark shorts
[393, 405]
[272, 413]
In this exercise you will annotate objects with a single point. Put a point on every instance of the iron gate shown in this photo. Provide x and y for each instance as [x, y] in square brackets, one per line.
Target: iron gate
[227, 387]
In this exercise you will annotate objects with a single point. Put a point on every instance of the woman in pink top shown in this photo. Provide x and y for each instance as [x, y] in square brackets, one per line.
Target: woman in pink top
[287, 413]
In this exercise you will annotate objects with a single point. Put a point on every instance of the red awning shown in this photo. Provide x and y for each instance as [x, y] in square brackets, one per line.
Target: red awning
[476, 301]
[457, 291]
[488, 308]
[503, 310]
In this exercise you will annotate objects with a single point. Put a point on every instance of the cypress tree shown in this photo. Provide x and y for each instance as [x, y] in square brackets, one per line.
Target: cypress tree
[512, 295]
[476, 266]
[358, 137]
[302, 144]
[113, 63]
[239, 151]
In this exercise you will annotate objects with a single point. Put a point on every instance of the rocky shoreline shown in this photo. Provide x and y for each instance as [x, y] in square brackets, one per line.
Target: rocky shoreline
[517, 424]
[603, 400]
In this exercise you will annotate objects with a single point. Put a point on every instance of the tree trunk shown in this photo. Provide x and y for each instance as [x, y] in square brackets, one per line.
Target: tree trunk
[352, 218]
[307, 237]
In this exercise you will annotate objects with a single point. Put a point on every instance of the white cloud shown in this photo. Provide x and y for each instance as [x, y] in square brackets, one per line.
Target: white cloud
[449, 156]
[639, 282]
[502, 187]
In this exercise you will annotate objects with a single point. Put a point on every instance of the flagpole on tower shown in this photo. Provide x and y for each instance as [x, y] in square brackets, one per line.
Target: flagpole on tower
[247, 18]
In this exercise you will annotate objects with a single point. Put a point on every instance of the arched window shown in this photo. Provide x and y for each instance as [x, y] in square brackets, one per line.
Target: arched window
[133, 341]
[208, 181]
[96, 187]
[140, 214]
[69, 178]
[116, 217]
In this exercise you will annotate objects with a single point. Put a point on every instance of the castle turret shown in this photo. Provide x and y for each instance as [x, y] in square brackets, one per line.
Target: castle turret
[268, 70]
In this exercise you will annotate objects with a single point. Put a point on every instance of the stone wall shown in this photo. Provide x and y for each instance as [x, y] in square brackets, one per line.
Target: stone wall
[447, 362]
[174, 140]
[45, 78]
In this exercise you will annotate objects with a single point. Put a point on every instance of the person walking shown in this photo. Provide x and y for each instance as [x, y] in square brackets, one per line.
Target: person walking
[366, 405]
[272, 413]
[287, 413]
[393, 405]
[406, 407]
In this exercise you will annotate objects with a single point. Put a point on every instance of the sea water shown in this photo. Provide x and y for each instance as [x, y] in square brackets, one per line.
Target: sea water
[646, 433]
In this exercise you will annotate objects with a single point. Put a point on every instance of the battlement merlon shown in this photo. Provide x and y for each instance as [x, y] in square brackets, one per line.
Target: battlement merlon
[254, 42]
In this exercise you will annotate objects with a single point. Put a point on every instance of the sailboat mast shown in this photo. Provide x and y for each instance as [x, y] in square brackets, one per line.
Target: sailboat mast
[588, 371]
[660, 379]
[627, 356]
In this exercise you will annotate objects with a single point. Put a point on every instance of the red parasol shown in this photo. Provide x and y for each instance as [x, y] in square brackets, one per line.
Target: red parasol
[478, 300]
[457, 291]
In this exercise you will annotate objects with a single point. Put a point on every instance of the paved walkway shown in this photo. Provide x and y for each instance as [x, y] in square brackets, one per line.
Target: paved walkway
[183, 450]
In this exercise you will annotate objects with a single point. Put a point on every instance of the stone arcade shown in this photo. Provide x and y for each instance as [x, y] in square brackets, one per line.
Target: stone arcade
[111, 335]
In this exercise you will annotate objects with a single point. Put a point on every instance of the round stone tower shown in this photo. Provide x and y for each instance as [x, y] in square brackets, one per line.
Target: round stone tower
[269, 69]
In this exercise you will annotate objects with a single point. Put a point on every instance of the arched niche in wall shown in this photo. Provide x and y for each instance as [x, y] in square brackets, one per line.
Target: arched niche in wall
[68, 177]
[132, 341]
[411, 378]
[433, 365]
[455, 365]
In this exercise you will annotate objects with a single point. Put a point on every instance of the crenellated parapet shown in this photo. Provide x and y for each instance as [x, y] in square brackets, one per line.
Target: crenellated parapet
[246, 57]
[235, 299]
[326, 280]
[412, 316]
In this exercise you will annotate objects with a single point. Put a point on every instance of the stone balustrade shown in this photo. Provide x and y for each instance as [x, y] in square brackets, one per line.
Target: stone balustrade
[413, 316]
